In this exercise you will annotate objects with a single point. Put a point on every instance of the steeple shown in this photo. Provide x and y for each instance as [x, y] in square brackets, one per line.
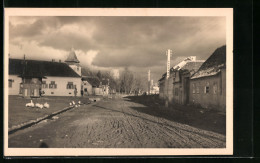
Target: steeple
[73, 61]
[72, 57]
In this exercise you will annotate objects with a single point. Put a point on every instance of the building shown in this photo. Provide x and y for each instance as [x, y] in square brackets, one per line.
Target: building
[181, 81]
[73, 62]
[33, 78]
[91, 86]
[208, 84]
[171, 88]
[197, 82]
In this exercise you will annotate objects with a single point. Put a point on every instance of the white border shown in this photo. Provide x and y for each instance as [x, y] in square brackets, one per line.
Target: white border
[227, 12]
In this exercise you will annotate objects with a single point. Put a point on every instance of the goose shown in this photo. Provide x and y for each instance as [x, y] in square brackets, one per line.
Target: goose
[46, 105]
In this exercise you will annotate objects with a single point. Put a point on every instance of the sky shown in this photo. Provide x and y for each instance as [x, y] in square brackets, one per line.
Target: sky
[113, 43]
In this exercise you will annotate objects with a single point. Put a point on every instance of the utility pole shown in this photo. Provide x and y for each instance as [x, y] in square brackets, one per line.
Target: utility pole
[149, 81]
[168, 54]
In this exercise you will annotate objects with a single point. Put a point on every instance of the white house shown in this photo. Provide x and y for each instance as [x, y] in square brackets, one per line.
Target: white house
[33, 77]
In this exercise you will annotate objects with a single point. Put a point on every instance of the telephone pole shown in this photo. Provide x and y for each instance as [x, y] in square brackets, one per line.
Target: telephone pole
[168, 54]
[149, 81]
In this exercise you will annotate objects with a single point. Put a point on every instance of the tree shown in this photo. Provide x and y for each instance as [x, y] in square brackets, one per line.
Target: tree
[126, 81]
[99, 75]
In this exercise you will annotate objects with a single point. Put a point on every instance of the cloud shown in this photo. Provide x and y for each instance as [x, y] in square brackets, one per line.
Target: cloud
[118, 42]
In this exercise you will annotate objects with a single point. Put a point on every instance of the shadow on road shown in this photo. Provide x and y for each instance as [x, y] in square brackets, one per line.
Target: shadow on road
[209, 120]
[187, 129]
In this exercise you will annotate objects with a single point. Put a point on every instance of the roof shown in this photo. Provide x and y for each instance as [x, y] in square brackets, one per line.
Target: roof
[35, 68]
[94, 81]
[191, 66]
[213, 64]
[72, 57]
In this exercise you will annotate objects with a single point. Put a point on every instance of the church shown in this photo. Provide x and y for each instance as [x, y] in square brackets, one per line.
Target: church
[35, 78]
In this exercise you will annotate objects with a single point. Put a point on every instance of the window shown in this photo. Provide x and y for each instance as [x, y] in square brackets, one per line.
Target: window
[44, 84]
[70, 85]
[193, 88]
[52, 85]
[215, 88]
[206, 88]
[176, 91]
[10, 83]
[198, 88]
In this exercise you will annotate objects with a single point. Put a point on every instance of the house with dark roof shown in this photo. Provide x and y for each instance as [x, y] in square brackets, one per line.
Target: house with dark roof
[91, 86]
[208, 84]
[181, 81]
[171, 89]
[33, 78]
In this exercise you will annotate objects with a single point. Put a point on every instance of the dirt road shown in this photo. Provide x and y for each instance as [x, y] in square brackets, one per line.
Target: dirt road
[115, 124]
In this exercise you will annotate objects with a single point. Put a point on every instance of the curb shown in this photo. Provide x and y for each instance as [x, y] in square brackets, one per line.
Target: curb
[33, 122]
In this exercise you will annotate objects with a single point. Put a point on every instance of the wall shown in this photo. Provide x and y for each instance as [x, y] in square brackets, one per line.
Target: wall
[169, 91]
[61, 89]
[89, 88]
[97, 91]
[213, 100]
[165, 90]
[14, 90]
[161, 89]
[76, 68]
[177, 96]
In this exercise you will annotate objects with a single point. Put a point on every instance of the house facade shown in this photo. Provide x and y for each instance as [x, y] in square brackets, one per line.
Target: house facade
[33, 78]
[197, 82]
[173, 88]
[208, 84]
[91, 86]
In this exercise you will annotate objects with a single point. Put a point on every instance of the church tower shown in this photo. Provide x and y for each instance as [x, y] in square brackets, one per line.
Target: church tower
[73, 62]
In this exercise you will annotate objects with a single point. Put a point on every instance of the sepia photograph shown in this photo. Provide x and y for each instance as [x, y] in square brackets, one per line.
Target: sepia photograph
[101, 82]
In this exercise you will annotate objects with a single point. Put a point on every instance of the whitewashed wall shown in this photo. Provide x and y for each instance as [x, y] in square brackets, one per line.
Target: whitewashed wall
[88, 86]
[14, 90]
[61, 89]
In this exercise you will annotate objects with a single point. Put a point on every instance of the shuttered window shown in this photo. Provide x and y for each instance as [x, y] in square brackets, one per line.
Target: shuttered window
[44, 84]
[70, 85]
[193, 88]
[52, 85]
[206, 89]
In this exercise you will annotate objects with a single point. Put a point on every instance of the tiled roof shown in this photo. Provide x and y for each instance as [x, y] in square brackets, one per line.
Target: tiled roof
[213, 64]
[94, 81]
[36, 68]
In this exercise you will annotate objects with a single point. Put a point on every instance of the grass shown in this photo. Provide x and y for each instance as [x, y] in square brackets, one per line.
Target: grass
[19, 113]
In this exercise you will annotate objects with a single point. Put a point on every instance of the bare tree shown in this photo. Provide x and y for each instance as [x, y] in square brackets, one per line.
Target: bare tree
[126, 81]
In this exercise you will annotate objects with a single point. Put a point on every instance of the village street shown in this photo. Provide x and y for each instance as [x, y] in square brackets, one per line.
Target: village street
[125, 123]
